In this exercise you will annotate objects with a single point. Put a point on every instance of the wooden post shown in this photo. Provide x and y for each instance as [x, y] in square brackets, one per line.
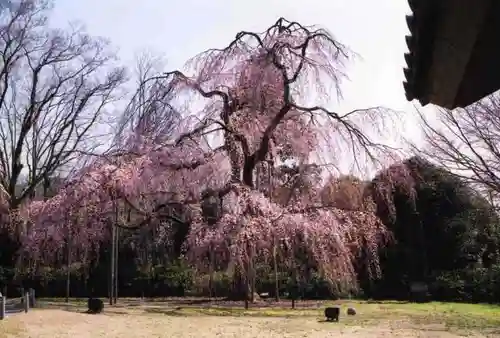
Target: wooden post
[32, 298]
[3, 300]
[26, 302]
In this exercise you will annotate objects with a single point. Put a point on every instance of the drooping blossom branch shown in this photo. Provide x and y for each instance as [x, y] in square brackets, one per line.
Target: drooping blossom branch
[251, 108]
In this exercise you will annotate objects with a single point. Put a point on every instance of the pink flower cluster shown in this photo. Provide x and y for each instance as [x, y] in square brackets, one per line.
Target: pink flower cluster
[252, 91]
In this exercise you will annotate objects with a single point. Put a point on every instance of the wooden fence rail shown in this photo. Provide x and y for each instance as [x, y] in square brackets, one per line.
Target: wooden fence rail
[16, 305]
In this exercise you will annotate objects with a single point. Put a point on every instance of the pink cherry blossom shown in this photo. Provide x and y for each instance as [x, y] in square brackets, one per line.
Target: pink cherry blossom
[251, 98]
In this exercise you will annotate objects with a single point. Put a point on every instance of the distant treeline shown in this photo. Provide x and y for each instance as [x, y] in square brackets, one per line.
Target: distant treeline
[448, 237]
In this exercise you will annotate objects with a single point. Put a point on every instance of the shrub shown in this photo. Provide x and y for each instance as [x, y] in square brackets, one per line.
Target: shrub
[474, 284]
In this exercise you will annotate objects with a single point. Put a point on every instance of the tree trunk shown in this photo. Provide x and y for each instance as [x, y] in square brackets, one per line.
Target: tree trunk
[150, 279]
[252, 276]
[294, 285]
[252, 288]
[240, 290]
[86, 279]
[68, 269]
[276, 280]
[112, 266]
[116, 265]
[211, 277]
[246, 290]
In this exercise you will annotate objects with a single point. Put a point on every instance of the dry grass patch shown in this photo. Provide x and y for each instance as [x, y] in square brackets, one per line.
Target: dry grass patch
[11, 328]
[132, 318]
[60, 323]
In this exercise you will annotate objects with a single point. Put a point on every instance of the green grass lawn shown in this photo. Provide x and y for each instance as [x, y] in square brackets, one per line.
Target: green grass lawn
[455, 317]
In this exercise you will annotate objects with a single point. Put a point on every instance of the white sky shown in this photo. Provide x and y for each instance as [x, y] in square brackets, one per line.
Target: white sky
[180, 29]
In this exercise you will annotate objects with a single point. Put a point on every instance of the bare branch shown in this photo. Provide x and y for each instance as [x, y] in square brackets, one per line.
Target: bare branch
[55, 89]
[466, 141]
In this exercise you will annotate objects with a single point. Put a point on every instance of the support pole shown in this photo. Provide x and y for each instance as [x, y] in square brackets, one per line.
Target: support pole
[32, 298]
[3, 300]
[26, 302]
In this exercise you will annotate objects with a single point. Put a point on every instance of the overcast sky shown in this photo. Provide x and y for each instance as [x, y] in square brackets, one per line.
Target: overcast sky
[180, 29]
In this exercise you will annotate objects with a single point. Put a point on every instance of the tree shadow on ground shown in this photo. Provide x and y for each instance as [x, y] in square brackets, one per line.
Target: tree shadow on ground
[202, 301]
[168, 312]
[326, 321]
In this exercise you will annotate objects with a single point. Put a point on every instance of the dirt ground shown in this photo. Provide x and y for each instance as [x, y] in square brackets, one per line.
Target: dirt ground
[59, 323]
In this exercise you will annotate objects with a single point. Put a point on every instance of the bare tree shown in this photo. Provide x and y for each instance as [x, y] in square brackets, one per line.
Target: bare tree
[55, 87]
[149, 114]
[467, 142]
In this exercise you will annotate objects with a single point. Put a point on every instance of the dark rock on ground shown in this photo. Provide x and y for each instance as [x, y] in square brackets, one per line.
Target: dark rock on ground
[332, 313]
[95, 305]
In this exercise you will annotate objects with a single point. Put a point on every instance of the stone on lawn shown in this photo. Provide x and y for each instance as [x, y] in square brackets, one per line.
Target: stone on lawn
[95, 305]
[332, 313]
